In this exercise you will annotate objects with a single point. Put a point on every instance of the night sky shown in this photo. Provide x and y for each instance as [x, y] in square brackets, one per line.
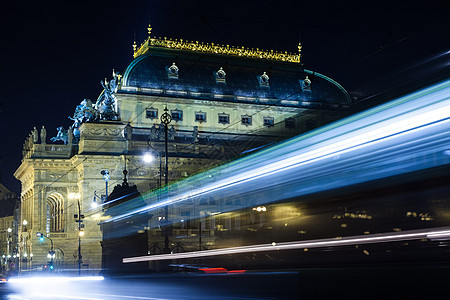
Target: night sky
[54, 53]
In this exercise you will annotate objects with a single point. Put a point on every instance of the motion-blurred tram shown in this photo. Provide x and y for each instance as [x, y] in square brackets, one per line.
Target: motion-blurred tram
[372, 188]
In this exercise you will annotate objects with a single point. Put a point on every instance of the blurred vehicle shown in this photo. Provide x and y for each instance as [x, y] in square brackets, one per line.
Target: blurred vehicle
[4, 287]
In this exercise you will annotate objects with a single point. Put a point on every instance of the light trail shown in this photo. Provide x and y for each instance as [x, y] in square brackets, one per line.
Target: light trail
[441, 233]
[413, 127]
[53, 279]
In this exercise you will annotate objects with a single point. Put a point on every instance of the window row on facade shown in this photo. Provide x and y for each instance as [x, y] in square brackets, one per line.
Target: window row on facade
[222, 118]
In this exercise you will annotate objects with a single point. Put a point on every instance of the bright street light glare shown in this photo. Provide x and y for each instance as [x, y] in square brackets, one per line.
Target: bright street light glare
[148, 157]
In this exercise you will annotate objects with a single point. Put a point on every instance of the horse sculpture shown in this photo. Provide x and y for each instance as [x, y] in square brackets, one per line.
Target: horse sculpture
[107, 103]
[61, 136]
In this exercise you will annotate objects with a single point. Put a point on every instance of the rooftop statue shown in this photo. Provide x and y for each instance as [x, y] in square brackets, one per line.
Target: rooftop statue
[35, 135]
[129, 131]
[172, 133]
[195, 135]
[43, 135]
[61, 135]
[107, 102]
[84, 112]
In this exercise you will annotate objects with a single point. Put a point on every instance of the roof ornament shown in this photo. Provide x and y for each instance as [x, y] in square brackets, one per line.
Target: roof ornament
[214, 49]
[149, 29]
[172, 71]
[264, 80]
[220, 76]
[305, 84]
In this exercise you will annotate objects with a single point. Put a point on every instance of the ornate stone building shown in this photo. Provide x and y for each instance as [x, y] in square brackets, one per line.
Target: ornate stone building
[8, 228]
[221, 101]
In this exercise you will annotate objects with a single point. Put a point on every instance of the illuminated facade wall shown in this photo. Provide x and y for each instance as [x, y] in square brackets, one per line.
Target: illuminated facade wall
[216, 123]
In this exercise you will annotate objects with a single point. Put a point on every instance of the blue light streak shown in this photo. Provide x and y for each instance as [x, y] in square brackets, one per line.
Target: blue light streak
[405, 135]
[431, 234]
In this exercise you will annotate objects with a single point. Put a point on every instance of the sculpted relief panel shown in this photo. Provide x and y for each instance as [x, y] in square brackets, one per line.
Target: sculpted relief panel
[104, 132]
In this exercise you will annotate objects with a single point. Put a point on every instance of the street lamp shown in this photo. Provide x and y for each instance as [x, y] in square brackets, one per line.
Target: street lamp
[148, 157]
[79, 219]
[94, 201]
[24, 241]
[8, 241]
[106, 178]
[166, 118]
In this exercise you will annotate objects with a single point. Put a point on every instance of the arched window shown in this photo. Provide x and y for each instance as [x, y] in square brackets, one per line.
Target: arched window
[55, 213]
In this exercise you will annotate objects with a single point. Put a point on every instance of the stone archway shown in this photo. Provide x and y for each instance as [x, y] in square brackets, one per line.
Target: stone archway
[54, 213]
[58, 261]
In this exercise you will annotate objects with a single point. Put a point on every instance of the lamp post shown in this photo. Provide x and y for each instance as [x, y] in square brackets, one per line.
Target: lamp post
[24, 246]
[80, 234]
[8, 241]
[149, 157]
[166, 119]
[79, 219]
[94, 201]
[106, 178]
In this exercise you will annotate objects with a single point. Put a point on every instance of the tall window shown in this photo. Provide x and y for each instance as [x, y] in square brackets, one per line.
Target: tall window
[54, 213]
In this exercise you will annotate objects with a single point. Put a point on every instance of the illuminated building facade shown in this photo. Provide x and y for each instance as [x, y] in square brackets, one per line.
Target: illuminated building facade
[8, 228]
[221, 101]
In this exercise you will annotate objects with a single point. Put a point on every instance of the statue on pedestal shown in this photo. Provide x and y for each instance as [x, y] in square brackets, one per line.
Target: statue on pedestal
[84, 112]
[107, 102]
[35, 135]
[70, 135]
[129, 131]
[172, 133]
[195, 134]
[61, 135]
[30, 141]
[43, 135]
[154, 135]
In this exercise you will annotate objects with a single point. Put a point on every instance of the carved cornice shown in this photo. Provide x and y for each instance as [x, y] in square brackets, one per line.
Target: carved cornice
[52, 164]
[157, 42]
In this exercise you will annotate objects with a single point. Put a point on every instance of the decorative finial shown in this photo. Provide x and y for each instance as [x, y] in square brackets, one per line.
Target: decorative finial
[134, 46]
[149, 29]
[299, 48]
